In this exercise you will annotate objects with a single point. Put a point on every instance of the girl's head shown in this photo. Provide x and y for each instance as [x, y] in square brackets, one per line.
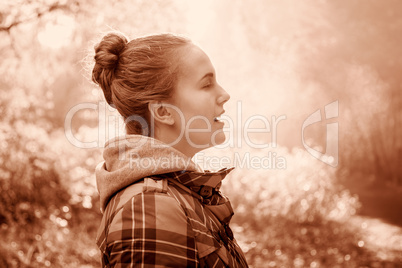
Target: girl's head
[164, 86]
[131, 74]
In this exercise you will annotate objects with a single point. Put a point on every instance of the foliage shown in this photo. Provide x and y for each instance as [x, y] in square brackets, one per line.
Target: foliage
[294, 216]
[41, 221]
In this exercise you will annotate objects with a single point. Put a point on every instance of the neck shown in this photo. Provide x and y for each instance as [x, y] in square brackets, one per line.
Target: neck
[172, 139]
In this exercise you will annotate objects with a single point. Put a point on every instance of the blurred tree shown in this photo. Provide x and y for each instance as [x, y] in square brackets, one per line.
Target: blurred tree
[346, 51]
[366, 35]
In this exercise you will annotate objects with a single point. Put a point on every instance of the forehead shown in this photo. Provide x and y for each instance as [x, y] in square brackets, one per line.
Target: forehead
[194, 63]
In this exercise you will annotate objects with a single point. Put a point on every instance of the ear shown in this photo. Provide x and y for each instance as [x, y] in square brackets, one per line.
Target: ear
[160, 113]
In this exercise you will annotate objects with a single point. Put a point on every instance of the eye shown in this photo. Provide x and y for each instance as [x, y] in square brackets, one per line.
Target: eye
[207, 85]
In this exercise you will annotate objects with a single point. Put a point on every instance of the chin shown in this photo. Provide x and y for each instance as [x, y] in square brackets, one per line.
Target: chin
[219, 138]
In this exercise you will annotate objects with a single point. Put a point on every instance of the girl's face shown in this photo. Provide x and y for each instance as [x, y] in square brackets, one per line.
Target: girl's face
[198, 99]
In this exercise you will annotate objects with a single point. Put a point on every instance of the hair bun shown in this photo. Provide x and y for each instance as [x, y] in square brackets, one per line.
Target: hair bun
[107, 54]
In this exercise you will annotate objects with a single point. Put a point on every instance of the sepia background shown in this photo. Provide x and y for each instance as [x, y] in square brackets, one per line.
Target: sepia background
[275, 58]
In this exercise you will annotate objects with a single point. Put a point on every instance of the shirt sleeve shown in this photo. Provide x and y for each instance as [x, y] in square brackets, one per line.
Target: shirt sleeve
[151, 230]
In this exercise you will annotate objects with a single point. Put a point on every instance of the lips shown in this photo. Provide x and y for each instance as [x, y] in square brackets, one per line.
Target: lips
[218, 118]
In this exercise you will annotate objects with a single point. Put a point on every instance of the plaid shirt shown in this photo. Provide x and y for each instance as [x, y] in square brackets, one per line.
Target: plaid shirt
[177, 219]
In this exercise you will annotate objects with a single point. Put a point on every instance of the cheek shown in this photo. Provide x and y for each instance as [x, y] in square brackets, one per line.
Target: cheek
[199, 122]
[199, 130]
[188, 119]
[198, 115]
[202, 133]
[196, 110]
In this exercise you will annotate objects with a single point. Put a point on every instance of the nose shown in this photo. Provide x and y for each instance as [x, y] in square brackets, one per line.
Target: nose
[223, 96]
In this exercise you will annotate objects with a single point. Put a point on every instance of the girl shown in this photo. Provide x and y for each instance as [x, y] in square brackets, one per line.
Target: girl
[159, 208]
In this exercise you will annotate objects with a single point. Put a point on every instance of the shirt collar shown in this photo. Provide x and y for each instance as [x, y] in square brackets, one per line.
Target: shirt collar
[206, 184]
[206, 178]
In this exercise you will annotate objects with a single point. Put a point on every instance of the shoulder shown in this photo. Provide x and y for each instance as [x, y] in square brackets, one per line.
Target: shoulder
[147, 186]
[143, 205]
[149, 226]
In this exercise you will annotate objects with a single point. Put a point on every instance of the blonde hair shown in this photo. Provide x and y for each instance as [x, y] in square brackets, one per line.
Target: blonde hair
[131, 74]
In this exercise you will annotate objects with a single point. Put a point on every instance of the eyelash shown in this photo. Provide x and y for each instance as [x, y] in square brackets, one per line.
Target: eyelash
[209, 84]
